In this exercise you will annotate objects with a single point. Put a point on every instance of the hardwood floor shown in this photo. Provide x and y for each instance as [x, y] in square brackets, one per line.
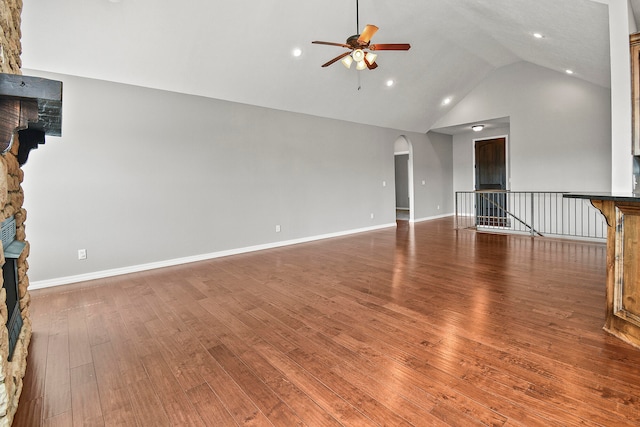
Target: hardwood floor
[421, 325]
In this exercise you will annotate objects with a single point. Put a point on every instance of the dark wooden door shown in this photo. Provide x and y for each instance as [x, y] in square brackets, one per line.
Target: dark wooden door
[491, 175]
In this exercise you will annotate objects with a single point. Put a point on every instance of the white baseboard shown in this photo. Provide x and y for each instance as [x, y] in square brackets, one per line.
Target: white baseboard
[428, 218]
[41, 284]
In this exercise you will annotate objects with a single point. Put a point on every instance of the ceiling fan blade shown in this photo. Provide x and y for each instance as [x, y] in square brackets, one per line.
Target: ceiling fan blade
[337, 58]
[367, 33]
[370, 66]
[333, 44]
[390, 46]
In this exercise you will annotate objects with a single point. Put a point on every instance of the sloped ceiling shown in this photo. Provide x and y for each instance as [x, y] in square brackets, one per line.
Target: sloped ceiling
[241, 50]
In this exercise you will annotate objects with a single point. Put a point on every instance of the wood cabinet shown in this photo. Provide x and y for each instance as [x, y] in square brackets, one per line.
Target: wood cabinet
[623, 262]
[634, 41]
[623, 268]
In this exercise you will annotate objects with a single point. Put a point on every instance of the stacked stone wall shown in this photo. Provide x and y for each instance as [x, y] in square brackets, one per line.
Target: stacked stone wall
[11, 200]
[10, 13]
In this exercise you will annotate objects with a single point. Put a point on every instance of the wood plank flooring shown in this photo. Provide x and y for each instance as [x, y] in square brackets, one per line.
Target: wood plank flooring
[416, 326]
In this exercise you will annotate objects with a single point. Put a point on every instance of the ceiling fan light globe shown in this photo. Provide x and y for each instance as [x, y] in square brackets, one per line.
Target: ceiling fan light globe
[347, 61]
[358, 55]
[371, 57]
[361, 65]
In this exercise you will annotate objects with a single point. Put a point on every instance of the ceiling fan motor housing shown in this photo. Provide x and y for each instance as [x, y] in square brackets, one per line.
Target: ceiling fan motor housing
[354, 43]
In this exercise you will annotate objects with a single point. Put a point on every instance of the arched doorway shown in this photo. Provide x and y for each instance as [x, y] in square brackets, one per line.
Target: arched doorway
[403, 154]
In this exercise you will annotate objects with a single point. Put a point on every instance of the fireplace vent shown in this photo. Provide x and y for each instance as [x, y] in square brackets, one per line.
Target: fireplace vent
[8, 232]
[12, 250]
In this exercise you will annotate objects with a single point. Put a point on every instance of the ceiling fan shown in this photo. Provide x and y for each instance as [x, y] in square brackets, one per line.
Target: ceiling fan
[358, 46]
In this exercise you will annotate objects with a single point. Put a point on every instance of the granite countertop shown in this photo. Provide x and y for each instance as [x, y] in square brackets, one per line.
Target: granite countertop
[616, 197]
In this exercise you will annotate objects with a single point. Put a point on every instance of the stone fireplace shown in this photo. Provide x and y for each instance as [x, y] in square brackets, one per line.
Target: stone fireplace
[12, 250]
[29, 109]
[12, 372]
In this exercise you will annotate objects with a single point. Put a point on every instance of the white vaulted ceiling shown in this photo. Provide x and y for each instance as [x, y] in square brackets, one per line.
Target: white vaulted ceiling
[241, 50]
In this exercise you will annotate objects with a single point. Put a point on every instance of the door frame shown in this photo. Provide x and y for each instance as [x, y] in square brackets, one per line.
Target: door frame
[507, 159]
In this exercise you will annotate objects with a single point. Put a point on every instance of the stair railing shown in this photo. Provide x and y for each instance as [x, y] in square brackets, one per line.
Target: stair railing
[529, 212]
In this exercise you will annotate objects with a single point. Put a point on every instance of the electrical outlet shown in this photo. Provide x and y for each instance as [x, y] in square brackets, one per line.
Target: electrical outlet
[372, 215]
[277, 228]
[82, 254]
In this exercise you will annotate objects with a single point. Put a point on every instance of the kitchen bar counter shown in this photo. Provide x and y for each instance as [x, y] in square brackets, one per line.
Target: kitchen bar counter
[622, 212]
[616, 197]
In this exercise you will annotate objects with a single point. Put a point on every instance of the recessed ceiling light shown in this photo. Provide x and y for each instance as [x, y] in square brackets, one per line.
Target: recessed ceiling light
[477, 128]
[568, 71]
[296, 52]
[390, 83]
[538, 35]
[446, 101]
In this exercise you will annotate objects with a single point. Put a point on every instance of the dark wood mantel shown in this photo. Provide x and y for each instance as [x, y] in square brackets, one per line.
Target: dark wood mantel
[31, 106]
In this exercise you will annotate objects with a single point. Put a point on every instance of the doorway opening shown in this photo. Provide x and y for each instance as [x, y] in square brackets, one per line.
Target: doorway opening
[403, 155]
[491, 181]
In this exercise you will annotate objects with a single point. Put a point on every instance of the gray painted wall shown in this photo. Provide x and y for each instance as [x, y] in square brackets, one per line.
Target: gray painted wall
[432, 174]
[560, 128]
[402, 180]
[142, 176]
